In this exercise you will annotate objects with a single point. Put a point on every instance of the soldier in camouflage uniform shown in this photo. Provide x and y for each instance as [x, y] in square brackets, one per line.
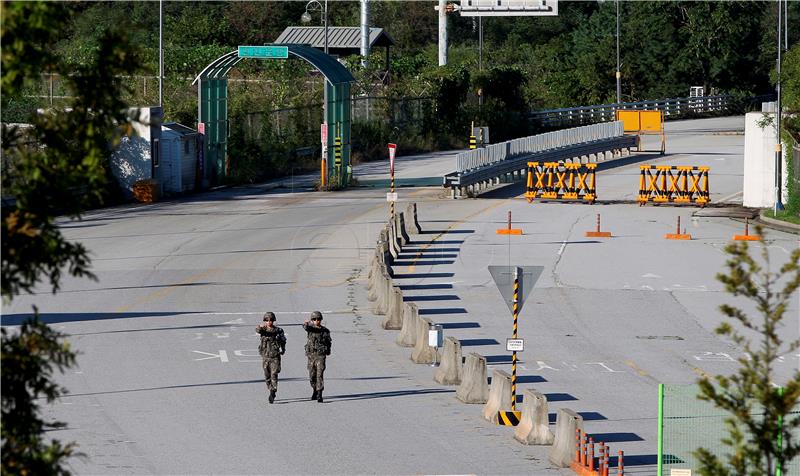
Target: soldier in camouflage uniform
[273, 345]
[317, 348]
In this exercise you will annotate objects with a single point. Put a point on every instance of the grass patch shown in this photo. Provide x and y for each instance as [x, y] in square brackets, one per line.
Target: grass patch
[783, 215]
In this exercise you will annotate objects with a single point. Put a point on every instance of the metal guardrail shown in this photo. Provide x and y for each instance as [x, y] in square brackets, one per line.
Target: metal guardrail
[672, 107]
[492, 154]
[514, 168]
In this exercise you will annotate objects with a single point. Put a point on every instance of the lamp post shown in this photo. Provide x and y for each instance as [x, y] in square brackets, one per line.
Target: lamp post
[778, 147]
[316, 6]
[619, 86]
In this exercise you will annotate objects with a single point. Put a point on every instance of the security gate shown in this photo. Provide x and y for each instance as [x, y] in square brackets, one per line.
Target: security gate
[212, 108]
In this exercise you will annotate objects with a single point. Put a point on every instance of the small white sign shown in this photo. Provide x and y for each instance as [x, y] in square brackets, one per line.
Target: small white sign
[515, 345]
[391, 197]
[680, 472]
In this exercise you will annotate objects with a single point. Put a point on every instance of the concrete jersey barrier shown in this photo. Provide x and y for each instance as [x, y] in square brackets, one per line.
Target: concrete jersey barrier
[499, 396]
[423, 353]
[408, 332]
[534, 425]
[449, 371]
[473, 388]
[562, 454]
[394, 311]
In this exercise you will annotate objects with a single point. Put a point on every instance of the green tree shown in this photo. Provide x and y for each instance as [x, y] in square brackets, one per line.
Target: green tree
[64, 173]
[760, 429]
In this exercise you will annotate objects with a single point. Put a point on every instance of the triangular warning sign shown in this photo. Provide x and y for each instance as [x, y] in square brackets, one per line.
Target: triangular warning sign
[504, 279]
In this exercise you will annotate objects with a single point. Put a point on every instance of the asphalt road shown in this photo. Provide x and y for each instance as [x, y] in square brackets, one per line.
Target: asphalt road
[169, 379]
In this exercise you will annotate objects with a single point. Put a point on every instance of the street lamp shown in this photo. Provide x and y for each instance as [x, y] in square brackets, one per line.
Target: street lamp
[316, 6]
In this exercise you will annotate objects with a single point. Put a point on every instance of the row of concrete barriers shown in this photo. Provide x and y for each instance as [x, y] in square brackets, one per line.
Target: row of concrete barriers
[470, 374]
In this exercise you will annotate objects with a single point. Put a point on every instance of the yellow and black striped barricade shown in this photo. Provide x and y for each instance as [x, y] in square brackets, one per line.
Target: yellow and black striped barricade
[556, 180]
[473, 142]
[673, 183]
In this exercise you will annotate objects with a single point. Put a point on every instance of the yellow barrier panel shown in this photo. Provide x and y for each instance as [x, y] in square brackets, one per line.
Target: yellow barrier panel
[555, 180]
[642, 123]
[630, 120]
[679, 184]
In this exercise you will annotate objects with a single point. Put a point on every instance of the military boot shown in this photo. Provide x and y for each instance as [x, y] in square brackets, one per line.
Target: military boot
[314, 395]
[271, 396]
[319, 396]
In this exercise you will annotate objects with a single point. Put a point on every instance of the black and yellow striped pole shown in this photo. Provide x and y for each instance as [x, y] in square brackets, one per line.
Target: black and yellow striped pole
[337, 163]
[473, 141]
[514, 353]
[391, 204]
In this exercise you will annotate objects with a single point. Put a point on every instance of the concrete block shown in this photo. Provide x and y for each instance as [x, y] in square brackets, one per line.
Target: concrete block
[394, 312]
[473, 388]
[449, 371]
[394, 250]
[534, 426]
[382, 299]
[408, 332]
[499, 396]
[398, 229]
[423, 353]
[403, 228]
[562, 454]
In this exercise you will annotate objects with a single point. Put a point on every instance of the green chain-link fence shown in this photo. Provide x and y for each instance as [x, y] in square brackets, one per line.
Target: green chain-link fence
[687, 423]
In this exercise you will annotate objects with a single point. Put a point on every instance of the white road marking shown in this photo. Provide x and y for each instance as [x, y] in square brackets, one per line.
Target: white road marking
[651, 275]
[563, 245]
[734, 195]
[714, 357]
[222, 356]
[602, 364]
[247, 353]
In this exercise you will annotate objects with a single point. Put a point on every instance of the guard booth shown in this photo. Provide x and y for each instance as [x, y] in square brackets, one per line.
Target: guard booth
[212, 110]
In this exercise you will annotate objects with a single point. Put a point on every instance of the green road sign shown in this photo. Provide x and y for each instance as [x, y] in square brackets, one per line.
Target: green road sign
[274, 52]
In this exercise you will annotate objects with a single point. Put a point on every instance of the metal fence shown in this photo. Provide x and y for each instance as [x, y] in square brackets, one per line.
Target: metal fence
[492, 154]
[687, 423]
[672, 107]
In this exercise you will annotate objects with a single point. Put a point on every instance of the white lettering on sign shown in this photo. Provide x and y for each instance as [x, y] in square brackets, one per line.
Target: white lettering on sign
[515, 345]
[246, 354]
[714, 357]
[602, 364]
[222, 355]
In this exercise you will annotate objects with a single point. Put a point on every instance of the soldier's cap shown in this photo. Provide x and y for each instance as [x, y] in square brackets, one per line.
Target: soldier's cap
[269, 316]
[316, 315]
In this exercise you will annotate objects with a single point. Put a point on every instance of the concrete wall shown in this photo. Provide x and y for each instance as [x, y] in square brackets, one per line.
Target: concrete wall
[132, 160]
[759, 162]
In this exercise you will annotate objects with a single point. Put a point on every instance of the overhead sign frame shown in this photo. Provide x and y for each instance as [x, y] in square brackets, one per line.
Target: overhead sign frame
[508, 8]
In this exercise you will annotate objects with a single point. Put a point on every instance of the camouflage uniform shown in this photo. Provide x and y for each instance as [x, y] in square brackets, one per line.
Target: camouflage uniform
[317, 348]
[273, 345]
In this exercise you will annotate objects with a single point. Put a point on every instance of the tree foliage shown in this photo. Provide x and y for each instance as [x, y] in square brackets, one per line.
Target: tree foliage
[760, 429]
[57, 167]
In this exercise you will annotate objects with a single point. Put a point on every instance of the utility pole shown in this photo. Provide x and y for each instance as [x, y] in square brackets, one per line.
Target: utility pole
[778, 145]
[161, 54]
[364, 33]
[619, 75]
[442, 32]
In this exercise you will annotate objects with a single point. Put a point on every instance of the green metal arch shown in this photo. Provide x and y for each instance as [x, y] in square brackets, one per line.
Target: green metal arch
[212, 110]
